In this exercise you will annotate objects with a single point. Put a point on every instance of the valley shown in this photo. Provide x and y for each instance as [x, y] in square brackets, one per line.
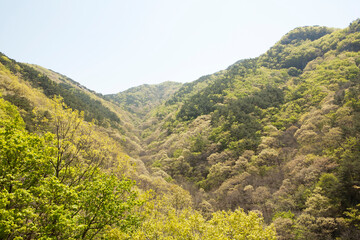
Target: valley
[268, 148]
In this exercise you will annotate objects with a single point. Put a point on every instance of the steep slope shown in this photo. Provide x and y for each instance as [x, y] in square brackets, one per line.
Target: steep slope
[62, 177]
[51, 83]
[118, 122]
[278, 133]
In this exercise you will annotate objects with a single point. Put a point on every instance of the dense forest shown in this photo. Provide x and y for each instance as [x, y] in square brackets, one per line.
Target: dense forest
[268, 148]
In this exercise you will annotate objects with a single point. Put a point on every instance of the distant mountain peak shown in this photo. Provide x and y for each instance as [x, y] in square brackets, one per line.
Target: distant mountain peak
[142, 99]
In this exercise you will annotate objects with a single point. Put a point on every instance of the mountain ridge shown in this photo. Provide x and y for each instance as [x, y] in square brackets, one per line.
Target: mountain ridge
[142, 99]
[278, 134]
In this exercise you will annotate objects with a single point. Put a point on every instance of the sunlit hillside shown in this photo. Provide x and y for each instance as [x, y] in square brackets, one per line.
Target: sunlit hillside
[268, 148]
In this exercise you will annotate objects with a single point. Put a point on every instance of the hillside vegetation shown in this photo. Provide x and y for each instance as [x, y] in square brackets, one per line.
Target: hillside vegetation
[142, 99]
[66, 176]
[278, 134]
[267, 148]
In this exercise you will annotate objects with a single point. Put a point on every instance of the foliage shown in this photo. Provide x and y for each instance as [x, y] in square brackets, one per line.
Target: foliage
[73, 97]
[37, 203]
[283, 134]
[164, 222]
[277, 134]
[140, 100]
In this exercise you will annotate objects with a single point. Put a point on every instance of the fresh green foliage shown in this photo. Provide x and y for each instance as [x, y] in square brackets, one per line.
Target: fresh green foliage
[73, 97]
[38, 202]
[277, 133]
[268, 144]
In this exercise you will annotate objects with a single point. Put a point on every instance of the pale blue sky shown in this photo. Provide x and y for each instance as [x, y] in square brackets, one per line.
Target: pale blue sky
[112, 45]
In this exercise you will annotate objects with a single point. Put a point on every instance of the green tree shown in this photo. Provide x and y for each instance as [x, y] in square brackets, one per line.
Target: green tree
[107, 201]
[35, 202]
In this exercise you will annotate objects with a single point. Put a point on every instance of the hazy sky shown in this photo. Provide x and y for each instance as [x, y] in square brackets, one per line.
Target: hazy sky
[112, 45]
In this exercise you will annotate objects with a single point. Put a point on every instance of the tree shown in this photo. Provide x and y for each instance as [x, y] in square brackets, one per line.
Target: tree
[24, 162]
[78, 148]
[35, 202]
[107, 201]
[238, 225]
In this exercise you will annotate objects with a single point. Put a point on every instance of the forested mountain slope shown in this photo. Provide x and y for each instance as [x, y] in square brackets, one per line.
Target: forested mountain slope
[270, 143]
[142, 99]
[278, 134]
[64, 173]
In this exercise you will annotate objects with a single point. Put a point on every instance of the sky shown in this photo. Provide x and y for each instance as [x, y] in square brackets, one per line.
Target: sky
[112, 45]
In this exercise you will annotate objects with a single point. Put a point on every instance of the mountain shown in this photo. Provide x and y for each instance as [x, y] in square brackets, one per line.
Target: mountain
[278, 133]
[65, 174]
[268, 146]
[142, 99]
